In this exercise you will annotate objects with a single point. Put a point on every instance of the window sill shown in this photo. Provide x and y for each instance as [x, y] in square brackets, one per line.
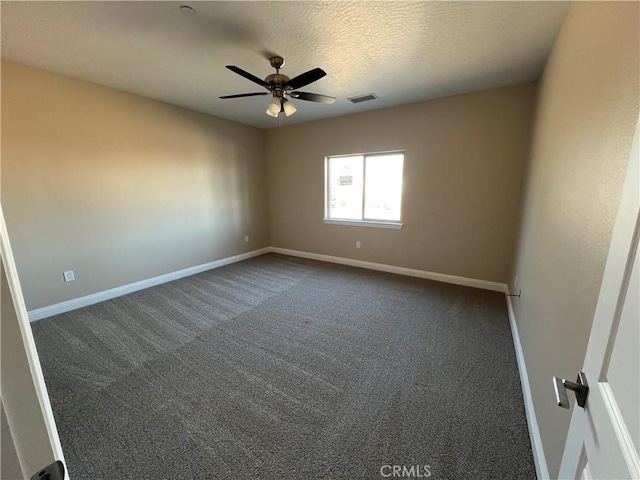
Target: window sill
[363, 223]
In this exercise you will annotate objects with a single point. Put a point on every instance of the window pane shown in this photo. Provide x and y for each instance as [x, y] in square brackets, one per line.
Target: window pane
[383, 187]
[345, 187]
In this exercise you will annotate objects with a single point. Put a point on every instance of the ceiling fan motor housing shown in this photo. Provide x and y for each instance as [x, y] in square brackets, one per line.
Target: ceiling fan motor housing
[277, 81]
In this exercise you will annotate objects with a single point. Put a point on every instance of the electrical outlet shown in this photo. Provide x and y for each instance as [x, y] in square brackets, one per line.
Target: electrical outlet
[68, 276]
[246, 238]
[358, 244]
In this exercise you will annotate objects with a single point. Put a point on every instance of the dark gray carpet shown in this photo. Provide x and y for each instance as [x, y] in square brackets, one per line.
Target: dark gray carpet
[283, 368]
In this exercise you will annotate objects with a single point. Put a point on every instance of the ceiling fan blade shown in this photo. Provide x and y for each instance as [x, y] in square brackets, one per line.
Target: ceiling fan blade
[245, 95]
[248, 76]
[313, 97]
[305, 78]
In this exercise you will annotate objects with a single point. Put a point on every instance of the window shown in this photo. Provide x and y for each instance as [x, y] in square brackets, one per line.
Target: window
[364, 189]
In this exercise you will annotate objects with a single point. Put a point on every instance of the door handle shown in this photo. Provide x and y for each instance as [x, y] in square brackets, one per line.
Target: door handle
[581, 389]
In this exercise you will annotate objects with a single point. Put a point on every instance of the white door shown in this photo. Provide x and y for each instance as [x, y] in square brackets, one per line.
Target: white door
[604, 437]
[25, 402]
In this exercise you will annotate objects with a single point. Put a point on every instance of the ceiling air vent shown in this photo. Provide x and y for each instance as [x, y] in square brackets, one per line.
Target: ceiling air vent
[363, 98]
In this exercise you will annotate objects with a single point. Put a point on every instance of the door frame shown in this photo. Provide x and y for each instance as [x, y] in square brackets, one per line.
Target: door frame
[31, 353]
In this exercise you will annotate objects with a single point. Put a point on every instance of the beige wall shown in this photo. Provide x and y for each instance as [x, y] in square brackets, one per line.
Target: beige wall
[464, 168]
[120, 188]
[586, 114]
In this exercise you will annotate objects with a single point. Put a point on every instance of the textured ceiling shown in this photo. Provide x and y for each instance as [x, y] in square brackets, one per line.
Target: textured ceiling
[402, 51]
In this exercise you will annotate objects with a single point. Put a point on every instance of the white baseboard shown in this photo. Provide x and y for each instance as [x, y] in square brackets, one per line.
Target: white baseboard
[134, 287]
[539, 459]
[410, 272]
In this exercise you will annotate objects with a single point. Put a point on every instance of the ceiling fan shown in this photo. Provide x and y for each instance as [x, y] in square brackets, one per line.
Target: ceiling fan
[280, 86]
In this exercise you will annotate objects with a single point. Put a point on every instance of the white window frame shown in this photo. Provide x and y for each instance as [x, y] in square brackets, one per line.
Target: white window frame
[365, 222]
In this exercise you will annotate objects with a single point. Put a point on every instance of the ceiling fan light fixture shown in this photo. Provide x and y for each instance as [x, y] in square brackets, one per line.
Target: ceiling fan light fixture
[288, 107]
[274, 107]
